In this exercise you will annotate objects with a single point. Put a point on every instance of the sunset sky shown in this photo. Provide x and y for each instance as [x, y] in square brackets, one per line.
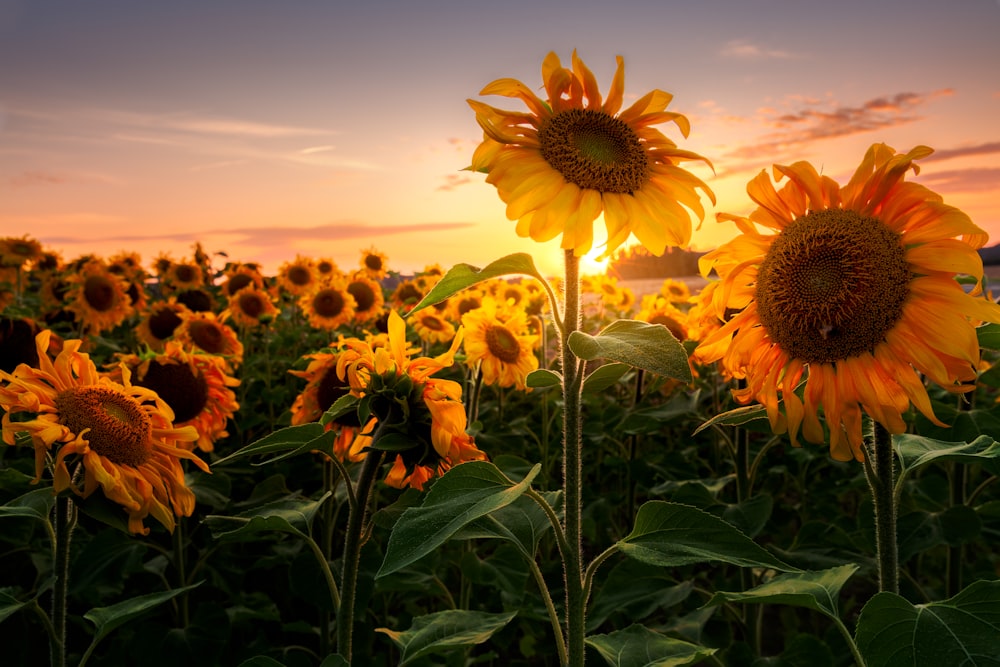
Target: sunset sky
[268, 129]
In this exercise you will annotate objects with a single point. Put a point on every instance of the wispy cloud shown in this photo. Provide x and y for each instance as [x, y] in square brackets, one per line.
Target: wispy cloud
[746, 50]
[50, 177]
[965, 151]
[973, 179]
[452, 181]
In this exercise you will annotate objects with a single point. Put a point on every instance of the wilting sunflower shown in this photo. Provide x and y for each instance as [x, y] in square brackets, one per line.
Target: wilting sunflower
[252, 306]
[431, 326]
[374, 264]
[328, 305]
[208, 333]
[19, 251]
[194, 385]
[855, 289]
[368, 298]
[98, 298]
[322, 390]
[497, 342]
[160, 321]
[574, 156]
[122, 434]
[410, 404]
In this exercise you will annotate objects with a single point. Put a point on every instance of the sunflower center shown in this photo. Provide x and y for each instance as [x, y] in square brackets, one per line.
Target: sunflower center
[163, 322]
[325, 267]
[373, 262]
[120, 430]
[329, 390]
[185, 391]
[468, 303]
[363, 295]
[672, 325]
[299, 275]
[186, 273]
[408, 293]
[99, 293]
[432, 322]
[328, 303]
[832, 285]
[594, 150]
[502, 343]
[196, 300]
[207, 336]
[251, 304]
[238, 282]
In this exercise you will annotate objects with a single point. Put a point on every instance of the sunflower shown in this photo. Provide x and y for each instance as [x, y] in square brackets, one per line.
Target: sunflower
[19, 251]
[410, 404]
[122, 434]
[17, 342]
[323, 388]
[431, 326]
[407, 294]
[160, 321]
[328, 305]
[183, 276]
[326, 268]
[198, 300]
[496, 341]
[239, 276]
[194, 385]
[468, 299]
[161, 265]
[656, 309]
[208, 333]
[566, 161]
[368, 297]
[675, 291]
[297, 276]
[98, 298]
[373, 263]
[855, 290]
[252, 306]
[513, 294]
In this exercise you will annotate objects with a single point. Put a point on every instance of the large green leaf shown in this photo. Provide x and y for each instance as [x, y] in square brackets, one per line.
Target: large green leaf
[106, 619]
[989, 336]
[736, 417]
[638, 646]
[634, 590]
[463, 494]
[445, 630]
[291, 438]
[461, 276]
[36, 504]
[604, 376]
[10, 605]
[963, 630]
[669, 535]
[287, 515]
[540, 378]
[915, 451]
[522, 522]
[814, 590]
[650, 347]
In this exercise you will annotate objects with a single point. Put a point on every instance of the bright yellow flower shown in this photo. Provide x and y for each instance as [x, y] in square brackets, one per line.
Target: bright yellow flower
[99, 299]
[675, 291]
[239, 276]
[368, 298]
[123, 434]
[657, 309]
[574, 156]
[19, 251]
[497, 343]
[298, 276]
[854, 290]
[252, 306]
[159, 323]
[208, 333]
[374, 263]
[431, 326]
[322, 390]
[328, 306]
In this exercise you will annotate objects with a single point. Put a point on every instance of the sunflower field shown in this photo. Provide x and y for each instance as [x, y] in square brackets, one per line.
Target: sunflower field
[790, 461]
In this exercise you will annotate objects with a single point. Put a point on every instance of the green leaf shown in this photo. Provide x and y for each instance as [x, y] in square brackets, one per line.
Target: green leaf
[650, 347]
[282, 440]
[669, 534]
[604, 376]
[35, 504]
[634, 590]
[106, 619]
[462, 495]
[288, 515]
[445, 630]
[522, 522]
[735, 417]
[989, 336]
[261, 661]
[541, 378]
[461, 276]
[10, 605]
[638, 646]
[915, 451]
[813, 590]
[963, 630]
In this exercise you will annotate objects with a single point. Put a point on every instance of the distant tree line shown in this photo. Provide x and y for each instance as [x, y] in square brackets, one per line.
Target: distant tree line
[635, 263]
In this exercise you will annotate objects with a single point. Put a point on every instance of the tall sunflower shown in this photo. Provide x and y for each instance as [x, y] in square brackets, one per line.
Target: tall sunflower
[122, 434]
[194, 385]
[574, 156]
[496, 341]
[98, 298]
[853, 289]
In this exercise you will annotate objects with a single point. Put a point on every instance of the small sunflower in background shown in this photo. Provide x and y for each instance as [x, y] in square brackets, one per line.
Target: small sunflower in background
[657, 309]
[194, 385]
[509, 293]
[497, 342]
[297, 276]
[323, 387]
[208, 333]
[183, 276]
[374, 264]
[159, 322]
[431, 326]
[19, 251]
[238, 276]
[675, 291]
[123, 435]
[252, 306]
[326, 268]
[368, 298]
[468, 299]
[407, 294]
[198, 300]
[575, 155]
[97, 298]
[328, 305]
[853, 288]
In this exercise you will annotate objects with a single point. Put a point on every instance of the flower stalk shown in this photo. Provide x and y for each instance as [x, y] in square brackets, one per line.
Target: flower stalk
[879, 471]
[65, 521]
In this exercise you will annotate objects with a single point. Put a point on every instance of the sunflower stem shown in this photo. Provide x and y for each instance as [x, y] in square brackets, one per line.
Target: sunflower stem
[181, 566]
[573, 466]
[880, 480]
[352, 552]
[65, 521]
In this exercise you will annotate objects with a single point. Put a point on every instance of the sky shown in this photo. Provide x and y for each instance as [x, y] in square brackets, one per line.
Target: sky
[267, 129]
